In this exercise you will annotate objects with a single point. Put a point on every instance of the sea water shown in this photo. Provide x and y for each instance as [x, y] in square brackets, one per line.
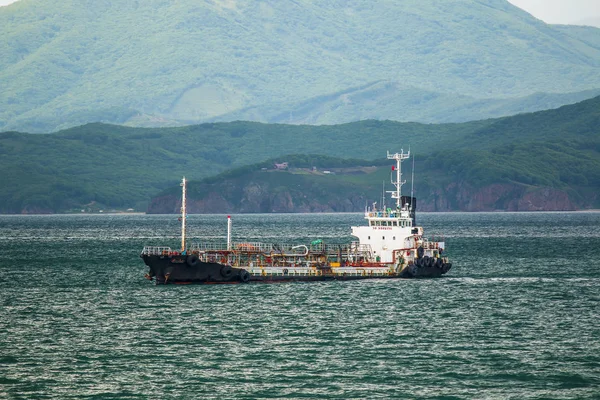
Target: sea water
[516, 317]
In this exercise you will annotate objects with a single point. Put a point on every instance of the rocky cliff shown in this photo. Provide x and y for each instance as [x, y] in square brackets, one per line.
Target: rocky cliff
[262, 198]
[497, 197]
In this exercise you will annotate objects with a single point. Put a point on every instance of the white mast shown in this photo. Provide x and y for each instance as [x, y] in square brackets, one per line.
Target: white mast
[229, 232]
[412, 183]
[183, 213]
[397, 194]
[383, 195]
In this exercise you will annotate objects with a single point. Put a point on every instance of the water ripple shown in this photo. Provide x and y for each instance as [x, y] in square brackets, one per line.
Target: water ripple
[515, 318]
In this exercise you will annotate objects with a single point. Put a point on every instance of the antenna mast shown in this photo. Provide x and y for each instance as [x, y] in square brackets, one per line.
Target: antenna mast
[397, 194]
[183, 213]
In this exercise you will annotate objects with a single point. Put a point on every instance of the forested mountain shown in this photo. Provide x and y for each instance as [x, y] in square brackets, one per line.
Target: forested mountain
[106, 166]
[165, 62]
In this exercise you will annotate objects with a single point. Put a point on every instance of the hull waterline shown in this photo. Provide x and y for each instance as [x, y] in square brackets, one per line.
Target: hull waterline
[177, 270]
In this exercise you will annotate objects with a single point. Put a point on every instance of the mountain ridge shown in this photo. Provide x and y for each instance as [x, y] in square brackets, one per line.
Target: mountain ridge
[68, 63]
[122, 167]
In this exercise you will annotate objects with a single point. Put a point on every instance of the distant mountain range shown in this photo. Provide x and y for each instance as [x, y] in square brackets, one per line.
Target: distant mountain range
[163, 63]
[544, 160]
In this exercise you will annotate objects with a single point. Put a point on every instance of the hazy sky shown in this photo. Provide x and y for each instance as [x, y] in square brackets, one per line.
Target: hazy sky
[560, 11]
[551, 11]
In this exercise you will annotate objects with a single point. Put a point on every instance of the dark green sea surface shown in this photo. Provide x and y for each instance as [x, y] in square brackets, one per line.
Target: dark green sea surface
[517, 317]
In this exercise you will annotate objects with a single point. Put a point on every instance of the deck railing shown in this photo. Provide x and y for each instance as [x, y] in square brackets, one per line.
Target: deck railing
[156, 250]
[283, 248]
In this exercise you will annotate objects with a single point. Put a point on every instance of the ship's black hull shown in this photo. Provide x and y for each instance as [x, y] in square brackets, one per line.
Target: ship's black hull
[426, 267]
[413, 272]
[182, 269]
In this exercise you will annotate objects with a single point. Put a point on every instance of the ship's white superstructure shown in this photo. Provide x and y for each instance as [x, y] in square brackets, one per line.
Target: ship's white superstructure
[390, 232]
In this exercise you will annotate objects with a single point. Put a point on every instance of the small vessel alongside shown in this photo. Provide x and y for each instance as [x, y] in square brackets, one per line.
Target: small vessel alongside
[390, 245]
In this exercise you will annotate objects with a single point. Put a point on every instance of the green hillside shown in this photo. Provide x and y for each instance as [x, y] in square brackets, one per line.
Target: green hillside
[66, 63]
[456, 181]
[390, 101]
[122, 167]
[315, 183]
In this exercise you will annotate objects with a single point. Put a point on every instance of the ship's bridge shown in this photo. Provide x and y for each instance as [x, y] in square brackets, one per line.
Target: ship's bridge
[387, 230]
[389, 217]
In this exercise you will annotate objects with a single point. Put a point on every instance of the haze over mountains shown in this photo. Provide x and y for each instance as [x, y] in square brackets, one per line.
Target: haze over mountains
[592, 21]
[160, 62]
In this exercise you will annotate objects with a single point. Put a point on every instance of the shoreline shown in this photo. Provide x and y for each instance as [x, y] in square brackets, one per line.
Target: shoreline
[592, 210]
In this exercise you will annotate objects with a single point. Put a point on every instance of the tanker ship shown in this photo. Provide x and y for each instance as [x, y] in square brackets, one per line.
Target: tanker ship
[389, 246]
